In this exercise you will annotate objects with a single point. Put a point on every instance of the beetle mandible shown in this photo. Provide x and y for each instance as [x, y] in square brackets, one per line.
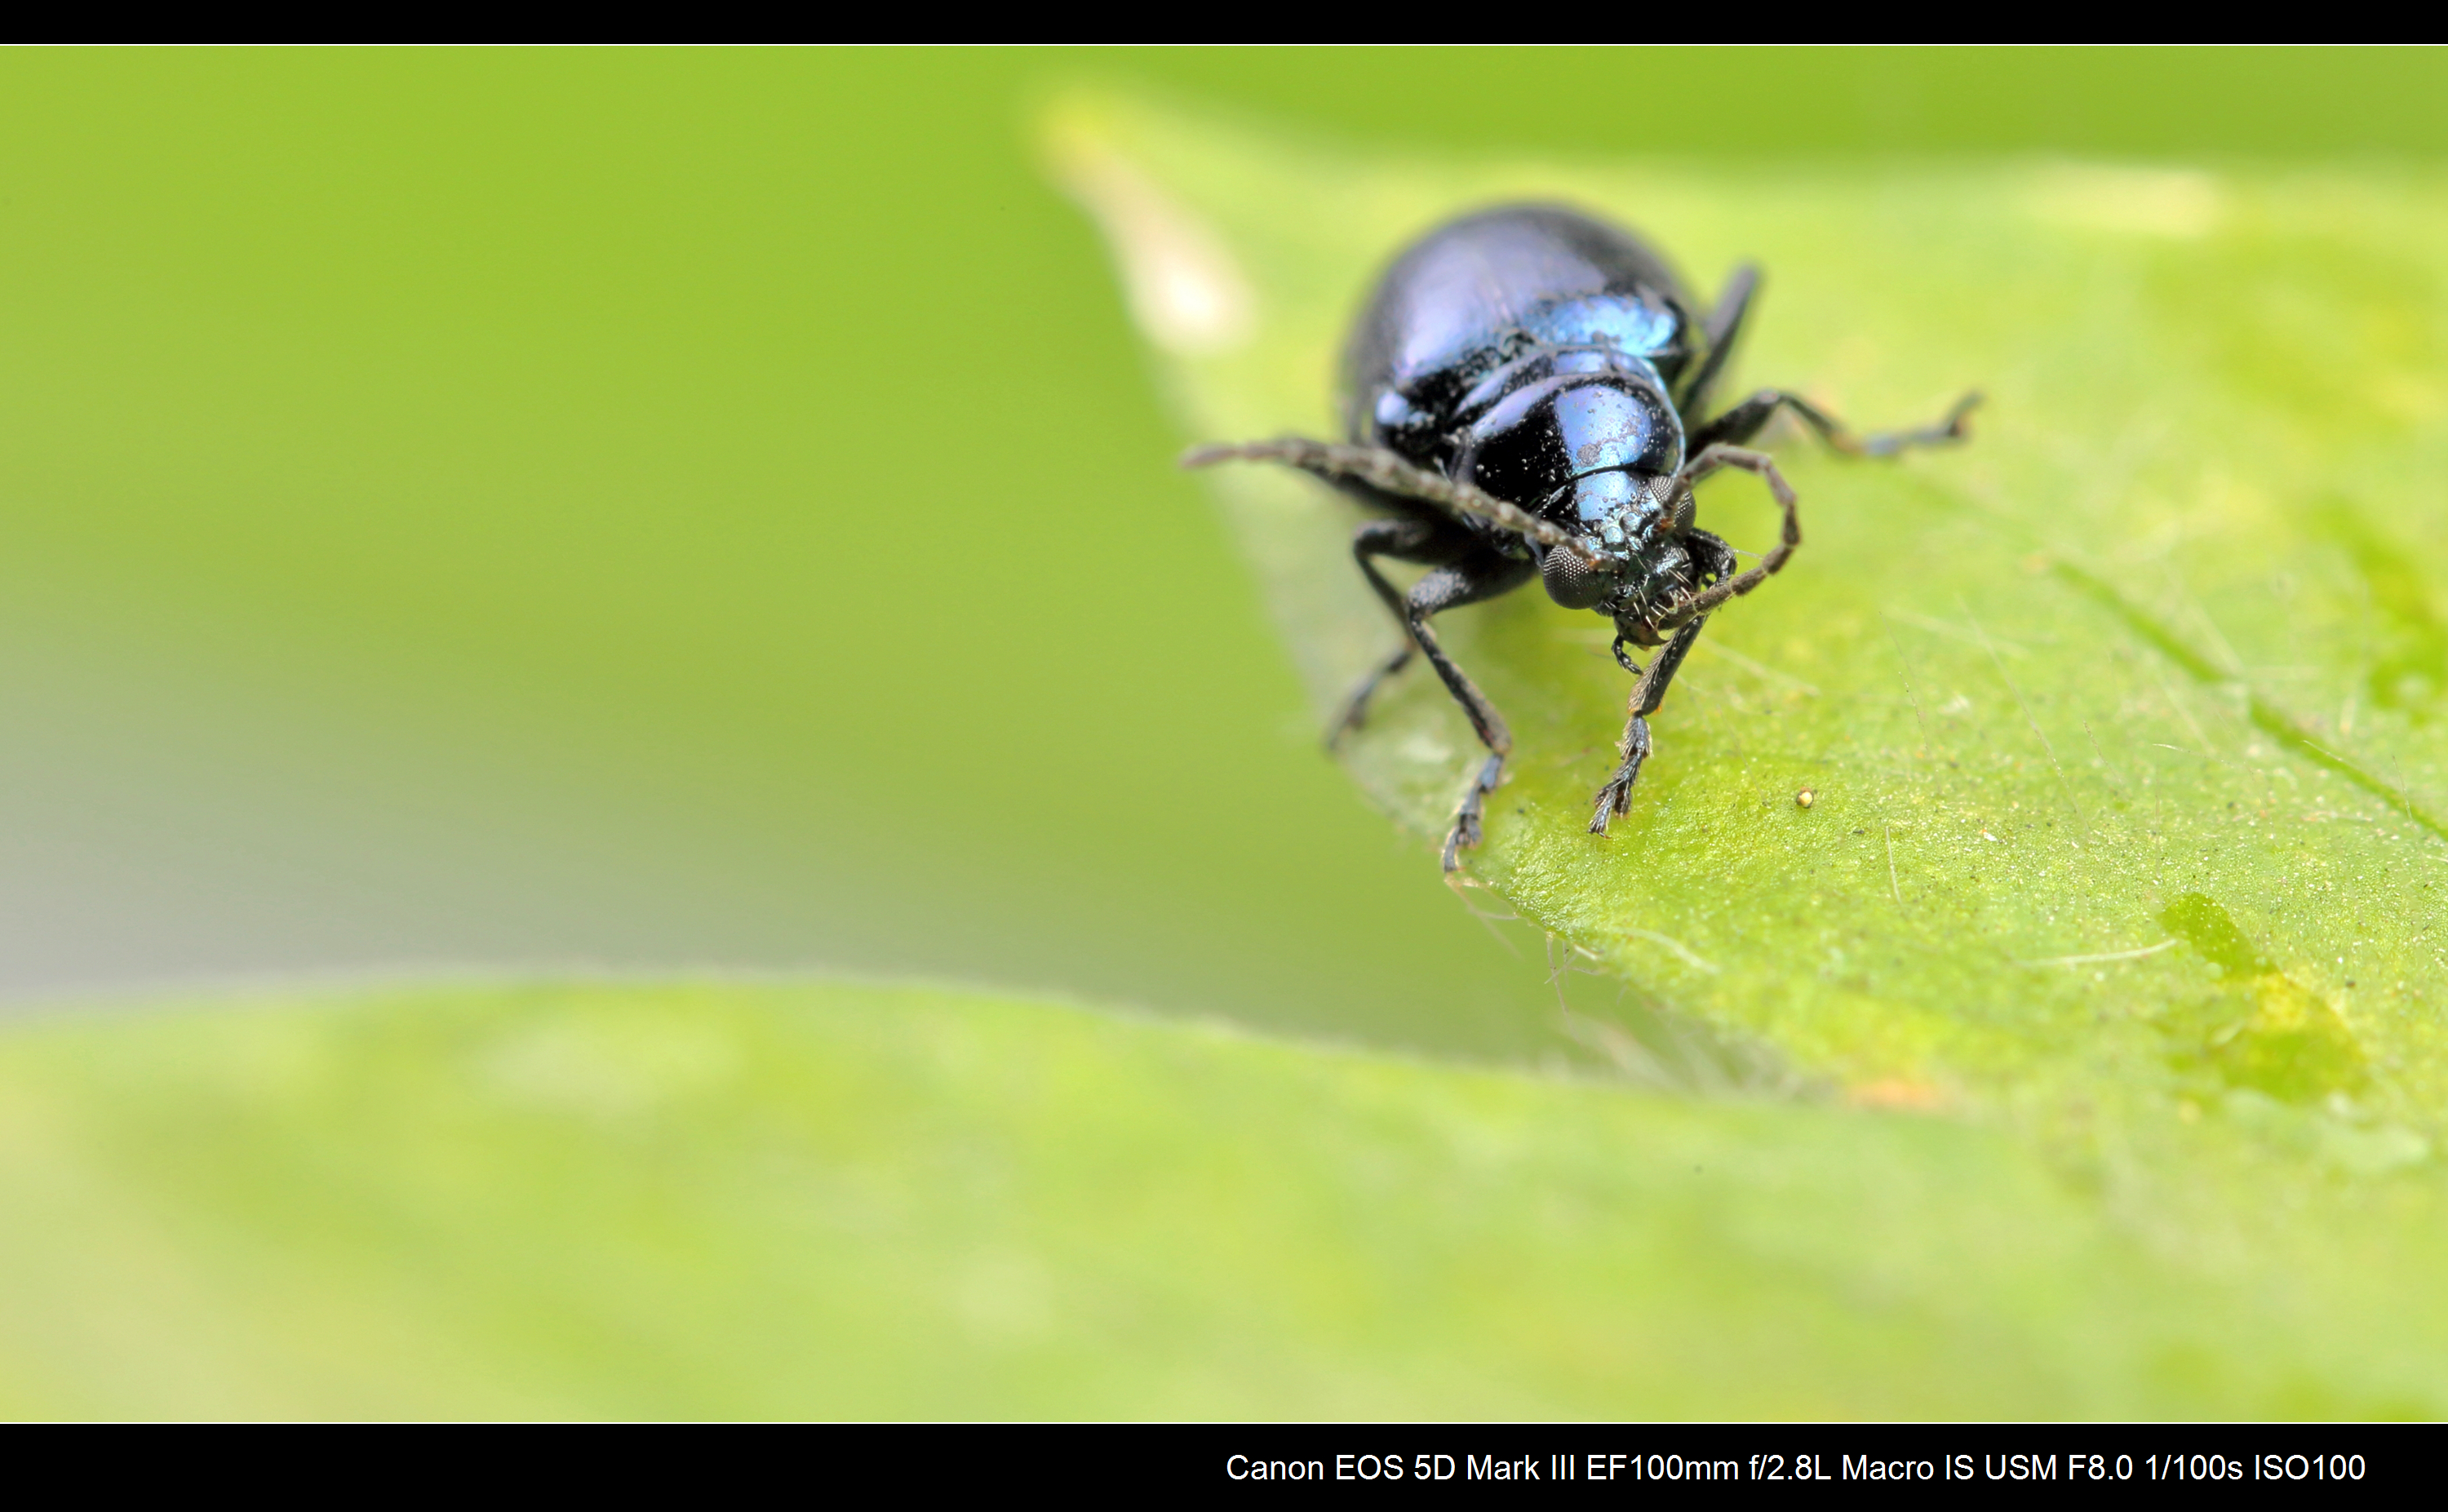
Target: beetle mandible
[1527, 396]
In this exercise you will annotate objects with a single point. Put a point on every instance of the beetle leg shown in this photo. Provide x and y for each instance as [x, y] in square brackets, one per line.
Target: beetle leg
[1482, 576]
[1404, 539]
[1746, 419]
[1647, 694]
[1723, 324]
[1466, 573]
[1719, 561]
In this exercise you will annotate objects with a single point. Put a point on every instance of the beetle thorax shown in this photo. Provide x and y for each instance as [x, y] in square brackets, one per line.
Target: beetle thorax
[1573, 447]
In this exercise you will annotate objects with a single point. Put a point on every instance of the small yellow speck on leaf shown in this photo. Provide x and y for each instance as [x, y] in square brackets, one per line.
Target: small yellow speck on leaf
[1805, 799]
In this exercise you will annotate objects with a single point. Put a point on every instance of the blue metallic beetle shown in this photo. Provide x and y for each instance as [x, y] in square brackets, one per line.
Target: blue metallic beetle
[1517, 392]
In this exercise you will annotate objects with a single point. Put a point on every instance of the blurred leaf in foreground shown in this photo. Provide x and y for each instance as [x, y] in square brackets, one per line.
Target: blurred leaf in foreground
[833, 1200]
[2123, 722]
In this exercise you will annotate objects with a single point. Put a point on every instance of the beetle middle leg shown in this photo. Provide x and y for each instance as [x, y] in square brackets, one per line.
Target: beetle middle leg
[1745, 420]
[1408, 538]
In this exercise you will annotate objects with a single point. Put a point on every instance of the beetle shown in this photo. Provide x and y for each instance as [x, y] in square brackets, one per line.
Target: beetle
[1526, 396]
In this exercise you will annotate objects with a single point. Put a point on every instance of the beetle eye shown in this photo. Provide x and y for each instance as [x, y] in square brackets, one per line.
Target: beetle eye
[1573, 583]
[1678, 512]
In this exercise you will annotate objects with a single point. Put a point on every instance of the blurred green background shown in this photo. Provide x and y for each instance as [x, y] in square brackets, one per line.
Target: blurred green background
[643, 510]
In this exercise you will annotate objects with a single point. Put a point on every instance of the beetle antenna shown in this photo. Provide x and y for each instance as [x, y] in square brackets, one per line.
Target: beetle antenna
[1389, 473]
[1719, 456]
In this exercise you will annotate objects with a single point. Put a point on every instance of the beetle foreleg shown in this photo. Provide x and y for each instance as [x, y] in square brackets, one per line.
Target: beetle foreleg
[1647, 694]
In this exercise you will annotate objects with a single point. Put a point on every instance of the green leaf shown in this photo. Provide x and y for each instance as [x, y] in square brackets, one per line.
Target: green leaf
[2121, 723]
[837, 1201]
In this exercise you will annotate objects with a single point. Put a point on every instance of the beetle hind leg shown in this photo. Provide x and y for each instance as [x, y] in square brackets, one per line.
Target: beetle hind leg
[1746, 420]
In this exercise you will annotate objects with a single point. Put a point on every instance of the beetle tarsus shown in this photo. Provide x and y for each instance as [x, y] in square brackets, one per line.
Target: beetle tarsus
[1468, 827]
[1616, 797]
[1949, 430]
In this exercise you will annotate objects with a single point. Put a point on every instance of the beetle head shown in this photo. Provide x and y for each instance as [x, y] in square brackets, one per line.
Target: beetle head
[1660, 580]
[1631, 564]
